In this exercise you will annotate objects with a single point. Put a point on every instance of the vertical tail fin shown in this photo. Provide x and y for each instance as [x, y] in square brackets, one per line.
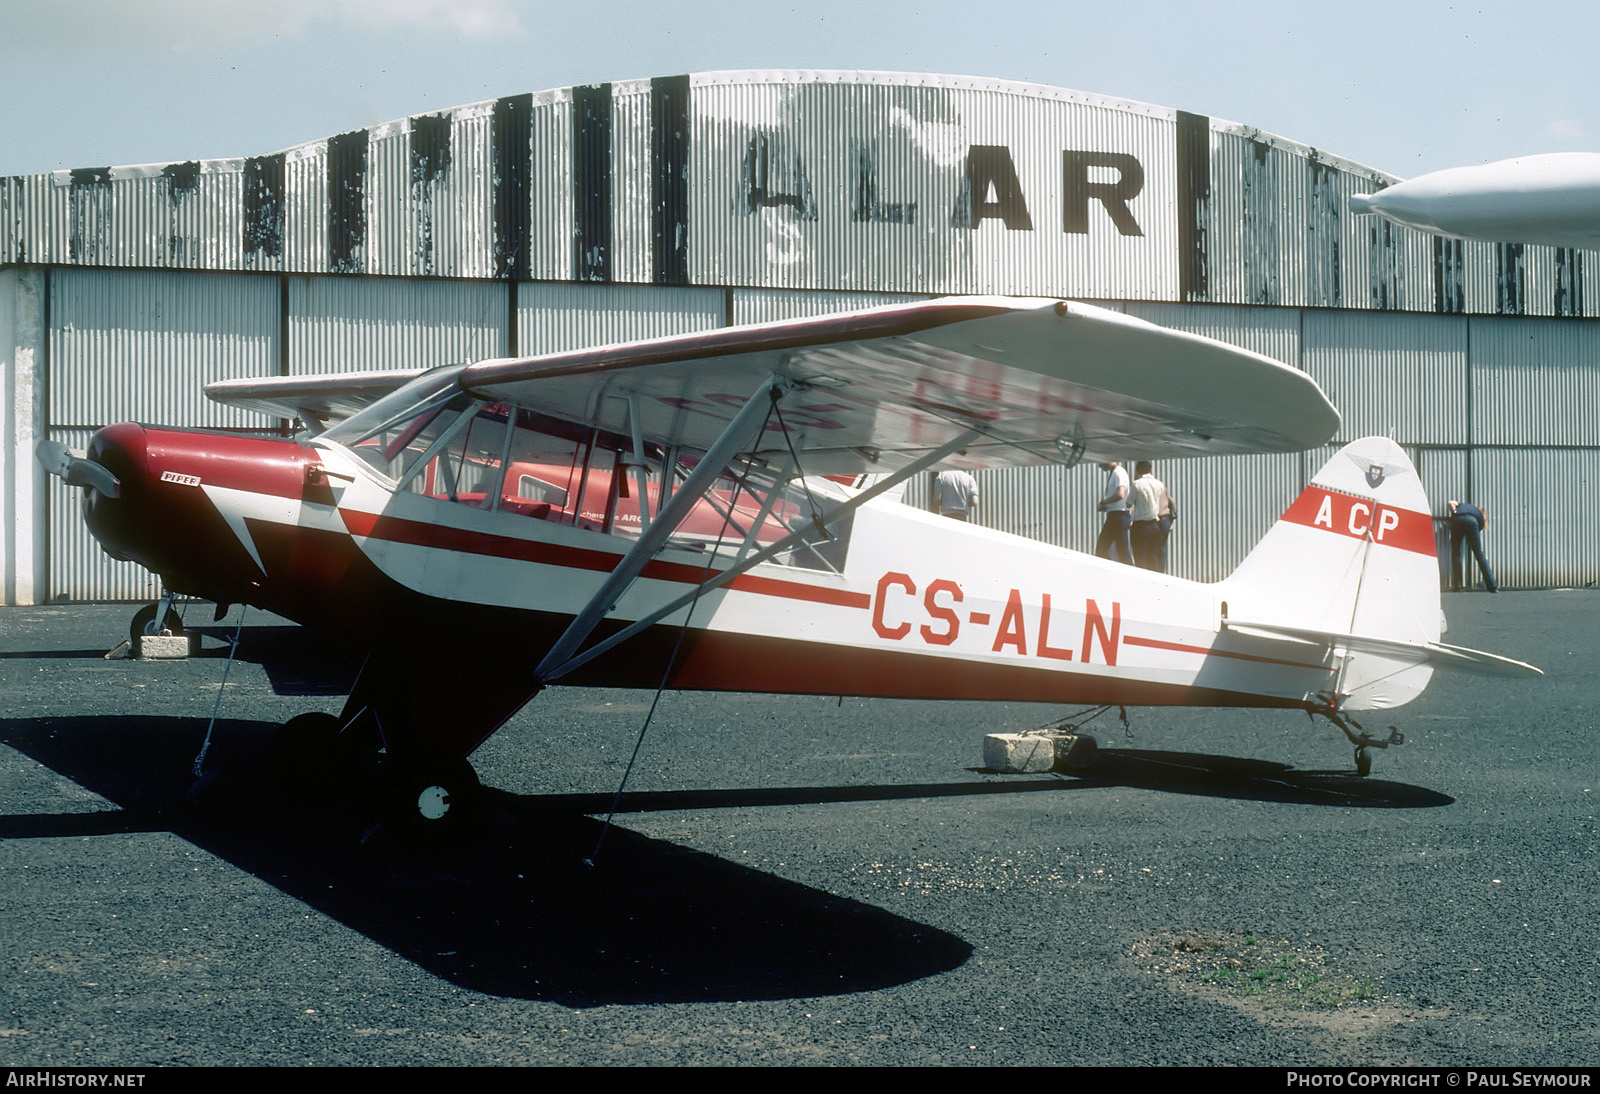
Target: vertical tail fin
[1353, 555]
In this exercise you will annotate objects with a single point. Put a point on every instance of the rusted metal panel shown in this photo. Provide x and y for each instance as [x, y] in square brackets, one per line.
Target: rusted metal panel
[11, 221]
[180, 215]
[1273, 220]
[554, 219]
[632, 221]
[426, 175]
[1249, 264]
[305, 238]
[816, 180]
[510, 156]
[139, 345]
[263, 209]
[671, 138]
[1514, 279]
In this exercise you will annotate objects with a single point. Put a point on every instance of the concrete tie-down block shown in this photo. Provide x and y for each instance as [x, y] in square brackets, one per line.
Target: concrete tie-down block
[1019, 753]
[1032, 753]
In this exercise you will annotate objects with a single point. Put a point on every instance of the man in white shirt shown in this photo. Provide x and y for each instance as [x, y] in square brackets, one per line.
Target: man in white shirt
[1113, 542]
[956, 494]
[1148, 498]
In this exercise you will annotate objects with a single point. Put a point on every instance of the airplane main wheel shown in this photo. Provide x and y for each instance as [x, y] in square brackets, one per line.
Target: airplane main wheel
[432, 796]
[144, 617]
[307, 755]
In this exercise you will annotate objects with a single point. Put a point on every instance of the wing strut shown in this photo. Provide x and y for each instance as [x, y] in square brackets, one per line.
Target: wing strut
[652, 538]
[550, 670]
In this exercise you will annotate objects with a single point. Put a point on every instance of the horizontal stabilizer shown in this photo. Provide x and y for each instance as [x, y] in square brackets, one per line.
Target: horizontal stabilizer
[1437, 654]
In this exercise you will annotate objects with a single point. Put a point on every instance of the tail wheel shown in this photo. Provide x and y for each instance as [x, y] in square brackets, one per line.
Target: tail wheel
[144, 622]
[432, 795]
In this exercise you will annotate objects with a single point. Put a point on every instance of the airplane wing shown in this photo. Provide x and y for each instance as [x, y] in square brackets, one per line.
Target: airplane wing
[1043, 381]
[312, 399]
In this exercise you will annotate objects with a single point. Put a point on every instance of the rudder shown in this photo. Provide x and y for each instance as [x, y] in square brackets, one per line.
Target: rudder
[1354, 554]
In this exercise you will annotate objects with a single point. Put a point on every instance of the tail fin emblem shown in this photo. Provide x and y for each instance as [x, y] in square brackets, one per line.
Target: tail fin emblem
[1374, 475]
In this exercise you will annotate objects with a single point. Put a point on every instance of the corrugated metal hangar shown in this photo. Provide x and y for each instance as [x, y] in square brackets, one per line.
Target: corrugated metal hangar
[597, 214]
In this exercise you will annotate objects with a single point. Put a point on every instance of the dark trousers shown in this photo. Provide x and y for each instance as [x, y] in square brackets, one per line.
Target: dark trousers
[1113, 542]
[1465, 530]
[1150, 544]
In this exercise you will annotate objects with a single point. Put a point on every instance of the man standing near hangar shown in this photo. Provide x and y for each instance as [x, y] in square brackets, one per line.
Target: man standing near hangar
[1113, 542]
[956, 494]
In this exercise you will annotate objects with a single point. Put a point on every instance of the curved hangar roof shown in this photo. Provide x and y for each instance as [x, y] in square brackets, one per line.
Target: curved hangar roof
[880, 182]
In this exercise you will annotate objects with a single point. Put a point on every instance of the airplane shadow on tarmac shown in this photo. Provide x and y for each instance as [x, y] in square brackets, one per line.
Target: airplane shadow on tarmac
[1250, 780]
[511, 909]
[514, 910]
[1168, 772]
[297, 660]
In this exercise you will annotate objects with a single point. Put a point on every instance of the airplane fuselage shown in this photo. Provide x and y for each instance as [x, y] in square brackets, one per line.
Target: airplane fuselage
[922, 606]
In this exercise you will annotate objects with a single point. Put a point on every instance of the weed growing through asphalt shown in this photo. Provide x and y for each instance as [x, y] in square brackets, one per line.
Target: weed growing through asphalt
[1276, 973]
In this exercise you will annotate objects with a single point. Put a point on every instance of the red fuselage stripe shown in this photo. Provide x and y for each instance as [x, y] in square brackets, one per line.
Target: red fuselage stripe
[1203, 651]
[420, 534]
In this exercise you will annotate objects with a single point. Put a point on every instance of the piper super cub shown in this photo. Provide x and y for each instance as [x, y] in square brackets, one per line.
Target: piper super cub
[668, 513]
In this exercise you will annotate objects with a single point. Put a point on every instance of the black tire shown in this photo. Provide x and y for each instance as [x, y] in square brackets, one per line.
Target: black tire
[307, 757]
[431, 796]
[145, 616]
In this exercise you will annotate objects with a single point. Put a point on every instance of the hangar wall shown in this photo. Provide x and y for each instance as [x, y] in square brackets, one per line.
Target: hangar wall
[588, 215]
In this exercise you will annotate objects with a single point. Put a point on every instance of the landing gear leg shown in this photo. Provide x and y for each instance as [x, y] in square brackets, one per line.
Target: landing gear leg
[1362, 739]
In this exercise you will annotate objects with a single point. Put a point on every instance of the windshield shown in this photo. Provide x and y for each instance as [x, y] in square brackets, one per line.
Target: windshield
[429, 392]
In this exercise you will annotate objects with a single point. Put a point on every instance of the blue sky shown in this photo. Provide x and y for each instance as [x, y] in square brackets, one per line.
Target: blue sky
[1405, 86]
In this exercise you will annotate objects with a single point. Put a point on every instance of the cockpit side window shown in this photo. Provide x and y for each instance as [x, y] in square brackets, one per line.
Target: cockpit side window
[439, 442]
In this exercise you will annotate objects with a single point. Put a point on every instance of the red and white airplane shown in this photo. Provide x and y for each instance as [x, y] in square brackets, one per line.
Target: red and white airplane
[667, 513]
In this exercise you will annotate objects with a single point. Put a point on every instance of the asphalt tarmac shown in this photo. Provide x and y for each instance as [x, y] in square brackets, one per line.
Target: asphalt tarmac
[796, 880]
